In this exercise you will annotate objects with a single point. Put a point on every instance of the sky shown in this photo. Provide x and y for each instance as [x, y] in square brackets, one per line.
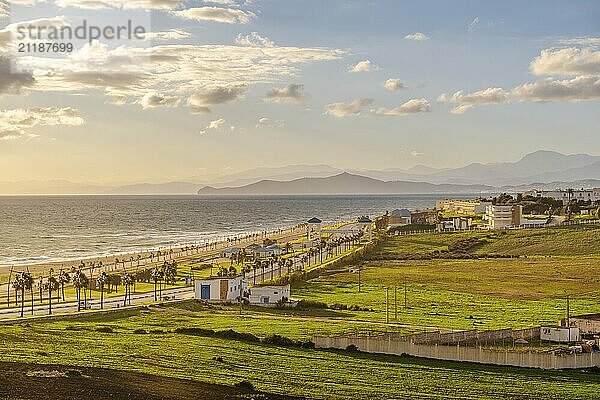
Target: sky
[220, 87]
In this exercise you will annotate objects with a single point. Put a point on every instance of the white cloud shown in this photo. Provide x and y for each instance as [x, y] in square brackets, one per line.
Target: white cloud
[393, 84]
[364, 66]
[155, 99]
[412, 106]
[171, 34]
[265, 122]
[121, 4]
[200, 75]
[581, 41]
[293, 93]
[465, 101]
[216, 14]
[570, 62]
[16, 123]
[550, 89]
[417, 36]
[473, 25]
[253, 39]
[203, 97]
[213, 125]
[11, 82]
[340, 110]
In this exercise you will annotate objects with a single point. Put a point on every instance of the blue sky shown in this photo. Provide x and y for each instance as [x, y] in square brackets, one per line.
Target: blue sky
[161, 128]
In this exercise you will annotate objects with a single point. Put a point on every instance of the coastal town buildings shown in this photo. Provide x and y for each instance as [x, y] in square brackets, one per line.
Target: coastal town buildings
[568, 194]
[469, 207]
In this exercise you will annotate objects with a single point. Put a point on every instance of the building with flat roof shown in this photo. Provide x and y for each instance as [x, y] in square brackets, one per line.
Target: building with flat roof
[568, 194]
[270, 294]
[220, 288]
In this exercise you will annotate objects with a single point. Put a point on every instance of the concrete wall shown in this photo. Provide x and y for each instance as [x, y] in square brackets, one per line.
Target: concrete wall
[388, 344]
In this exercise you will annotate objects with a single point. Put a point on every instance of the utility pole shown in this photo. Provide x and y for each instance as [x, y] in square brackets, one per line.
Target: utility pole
[396, 303]
[387, 305]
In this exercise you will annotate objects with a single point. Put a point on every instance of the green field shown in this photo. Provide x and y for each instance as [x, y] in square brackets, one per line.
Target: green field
[313, 373]
[452, 281]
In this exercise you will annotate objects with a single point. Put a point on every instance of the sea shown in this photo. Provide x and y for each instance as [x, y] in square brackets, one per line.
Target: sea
[40, 229]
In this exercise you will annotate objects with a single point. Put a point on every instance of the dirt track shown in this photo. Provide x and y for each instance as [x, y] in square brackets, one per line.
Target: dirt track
[20, 381]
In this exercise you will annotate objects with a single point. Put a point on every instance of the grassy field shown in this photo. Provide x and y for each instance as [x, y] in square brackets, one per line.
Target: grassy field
[306, 372]
[442, 292]
[575, 240]
[472, 293]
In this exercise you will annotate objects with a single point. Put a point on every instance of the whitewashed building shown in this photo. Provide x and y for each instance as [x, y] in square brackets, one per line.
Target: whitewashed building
[271, 294]
[559, 334]
[220, 288]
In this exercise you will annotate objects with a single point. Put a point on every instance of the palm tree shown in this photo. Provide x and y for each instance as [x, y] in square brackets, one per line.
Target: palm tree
[80, 281]
[51, 285]
[127, 281]
[28, 282]
[19, 286]
[156, 273]
[101, 280]
[63, 277]
[289, 248]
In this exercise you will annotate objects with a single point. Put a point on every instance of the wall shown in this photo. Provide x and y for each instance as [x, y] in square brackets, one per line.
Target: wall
[388, 344]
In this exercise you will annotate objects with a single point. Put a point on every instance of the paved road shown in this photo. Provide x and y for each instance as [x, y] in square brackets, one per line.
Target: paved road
[184, 293]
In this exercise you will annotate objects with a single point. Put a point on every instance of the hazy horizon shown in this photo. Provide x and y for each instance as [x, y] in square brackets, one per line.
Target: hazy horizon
[285, 83]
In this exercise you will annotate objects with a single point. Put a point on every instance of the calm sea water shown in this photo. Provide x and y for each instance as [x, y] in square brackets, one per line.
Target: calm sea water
[53, 228]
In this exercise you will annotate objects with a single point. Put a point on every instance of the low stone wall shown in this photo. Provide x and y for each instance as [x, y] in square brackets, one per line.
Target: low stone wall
[389, 345]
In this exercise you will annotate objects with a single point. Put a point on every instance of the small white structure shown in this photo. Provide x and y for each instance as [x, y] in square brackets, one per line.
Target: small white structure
[269, 294]
[220, 288]
[559, 334]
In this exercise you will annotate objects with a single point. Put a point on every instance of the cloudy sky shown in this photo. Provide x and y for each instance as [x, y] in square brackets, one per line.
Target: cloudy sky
[222, 86]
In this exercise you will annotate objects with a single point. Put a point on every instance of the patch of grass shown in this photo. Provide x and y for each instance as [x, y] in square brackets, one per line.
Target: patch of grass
[291, 370]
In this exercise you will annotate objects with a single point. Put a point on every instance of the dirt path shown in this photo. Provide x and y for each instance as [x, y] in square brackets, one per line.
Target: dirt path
[20, 381]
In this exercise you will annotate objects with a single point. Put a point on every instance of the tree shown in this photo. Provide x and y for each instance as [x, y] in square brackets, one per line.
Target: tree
[28, 282]
[80, 281]
[51, 285]
[19, 286]
[101, 280]
[63, 277]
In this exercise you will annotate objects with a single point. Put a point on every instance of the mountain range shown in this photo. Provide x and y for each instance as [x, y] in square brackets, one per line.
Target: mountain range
[541, 169]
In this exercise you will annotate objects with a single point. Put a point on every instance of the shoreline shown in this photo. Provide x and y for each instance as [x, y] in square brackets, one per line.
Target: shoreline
[203, 249]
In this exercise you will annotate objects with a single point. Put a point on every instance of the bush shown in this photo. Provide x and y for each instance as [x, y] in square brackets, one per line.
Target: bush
[104, 329]
[245, 386]
[217, 359]
[352, 348]
[231, 334]
[310, 305]
[279, 341]
[73, 373]
[140, 332]
[195, 331]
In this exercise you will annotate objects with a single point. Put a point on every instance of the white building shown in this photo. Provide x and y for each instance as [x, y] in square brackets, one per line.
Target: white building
[564, 195]
[220, 288]
[269, 294]
[560, 334]
[501, 216]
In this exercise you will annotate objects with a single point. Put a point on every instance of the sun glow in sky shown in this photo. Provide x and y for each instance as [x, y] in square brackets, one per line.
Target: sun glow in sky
[226, 85]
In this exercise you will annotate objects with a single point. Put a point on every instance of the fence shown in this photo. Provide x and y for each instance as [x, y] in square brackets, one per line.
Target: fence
[396, 345]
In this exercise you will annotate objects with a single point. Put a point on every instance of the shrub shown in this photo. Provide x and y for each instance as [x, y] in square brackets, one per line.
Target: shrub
[140, 332]
[104, 329]
[352, 348]
[73, 373]
[279, 340]
[218, 359]
[245, 386]
[310, 305]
